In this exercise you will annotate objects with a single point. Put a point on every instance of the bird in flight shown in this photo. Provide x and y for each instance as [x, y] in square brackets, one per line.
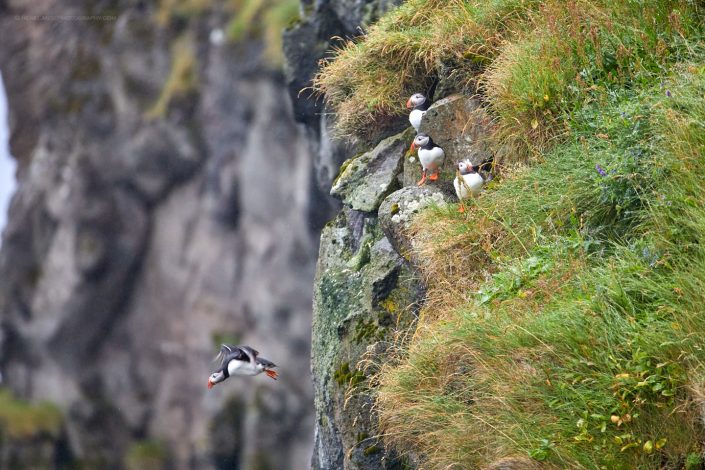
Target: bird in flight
[240, 360]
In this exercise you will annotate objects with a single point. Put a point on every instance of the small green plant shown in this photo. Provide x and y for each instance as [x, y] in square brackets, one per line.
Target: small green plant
[21, 420]
[146, 454]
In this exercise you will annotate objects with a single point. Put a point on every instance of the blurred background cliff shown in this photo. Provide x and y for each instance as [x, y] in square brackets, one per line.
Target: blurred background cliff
[167, 200]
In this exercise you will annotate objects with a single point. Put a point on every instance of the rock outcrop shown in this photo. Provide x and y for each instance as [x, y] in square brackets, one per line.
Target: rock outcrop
[308, 41]
[366, 288]
[364, 292]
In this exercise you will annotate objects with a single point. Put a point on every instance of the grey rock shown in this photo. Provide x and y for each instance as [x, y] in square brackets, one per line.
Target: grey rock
[305, 44]
[134, 244]
[358, 299]
[365, 180]
[399, 209]
[460, 125]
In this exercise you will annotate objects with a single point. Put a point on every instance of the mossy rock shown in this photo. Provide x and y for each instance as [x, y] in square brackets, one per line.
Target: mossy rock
[461, 126]
[360, 285]
[399, 209]
[146, 454]
[365, 180]
[22, 420]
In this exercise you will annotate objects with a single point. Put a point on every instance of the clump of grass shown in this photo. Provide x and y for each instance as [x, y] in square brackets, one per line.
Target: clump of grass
[182, 77]
[572, 338]
[146, 454]
[21, 420]
[265, 18]
[167, 10]
[367, 79]
[573, 49]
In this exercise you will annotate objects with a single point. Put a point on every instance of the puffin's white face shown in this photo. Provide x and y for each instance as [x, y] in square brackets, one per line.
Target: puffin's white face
[421, 140]
[216, 377]
[415, 100]
[465, 167]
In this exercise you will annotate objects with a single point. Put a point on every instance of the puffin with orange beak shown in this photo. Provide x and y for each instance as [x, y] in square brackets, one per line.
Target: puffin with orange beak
[430, 155]
[240, 360]
[418, 104]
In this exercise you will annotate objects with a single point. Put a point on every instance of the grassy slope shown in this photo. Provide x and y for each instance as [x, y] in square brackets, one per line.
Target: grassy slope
[564, 314]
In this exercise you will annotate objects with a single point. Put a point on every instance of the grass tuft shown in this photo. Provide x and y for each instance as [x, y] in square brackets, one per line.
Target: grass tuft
[21, 420]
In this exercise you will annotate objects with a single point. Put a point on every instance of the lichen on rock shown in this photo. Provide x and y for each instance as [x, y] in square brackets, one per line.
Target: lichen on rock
[365, 180]
[355, 307]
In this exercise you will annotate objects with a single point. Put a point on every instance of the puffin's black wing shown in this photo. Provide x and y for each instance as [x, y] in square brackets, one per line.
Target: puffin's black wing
[250, 352]
[228, 353]
[266, 362]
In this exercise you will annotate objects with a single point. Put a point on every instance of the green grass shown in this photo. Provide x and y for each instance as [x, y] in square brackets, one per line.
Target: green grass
[146, 454]
[572, 335]
[246, 19]
[564, 311]
[21, 420]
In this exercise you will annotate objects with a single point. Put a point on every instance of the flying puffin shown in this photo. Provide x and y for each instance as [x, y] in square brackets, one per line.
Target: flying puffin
[418, 104]
[468, 183]
[240, 360]
[430, 155]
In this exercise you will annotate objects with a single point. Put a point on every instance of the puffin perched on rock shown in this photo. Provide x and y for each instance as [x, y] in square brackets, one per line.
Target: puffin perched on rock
[468, 183]
[418, 104]
[430, 155]
[240, 360]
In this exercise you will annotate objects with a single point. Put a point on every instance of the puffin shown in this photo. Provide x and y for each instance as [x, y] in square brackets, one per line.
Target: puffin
[430, 155]
[468, 183]
[418, 104]
[240, 360]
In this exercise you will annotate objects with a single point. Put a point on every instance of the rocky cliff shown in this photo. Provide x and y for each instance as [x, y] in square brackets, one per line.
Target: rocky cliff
[167, 202]
[367, 289]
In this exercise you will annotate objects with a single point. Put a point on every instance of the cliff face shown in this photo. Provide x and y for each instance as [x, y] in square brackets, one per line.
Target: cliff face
[166, 203]
[366, 288]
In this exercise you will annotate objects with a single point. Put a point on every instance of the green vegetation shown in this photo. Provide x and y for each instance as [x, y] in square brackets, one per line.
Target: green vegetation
[182, 77]
[564, 310]
[146, 454]
[266, 19]
[247, 19]
[21, 420]
[535, 61]
[345, 377]
[572, 336]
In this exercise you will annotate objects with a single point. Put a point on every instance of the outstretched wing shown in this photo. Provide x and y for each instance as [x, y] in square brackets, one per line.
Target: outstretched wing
[250, 352]
[229, 352]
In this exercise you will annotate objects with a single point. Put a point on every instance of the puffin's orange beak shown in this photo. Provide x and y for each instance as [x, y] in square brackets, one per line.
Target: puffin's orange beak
[271, 373]
[210, 384]
[408, 104]
[412, 148]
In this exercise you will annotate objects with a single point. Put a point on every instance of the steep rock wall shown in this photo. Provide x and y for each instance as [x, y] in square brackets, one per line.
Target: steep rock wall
[141, 237]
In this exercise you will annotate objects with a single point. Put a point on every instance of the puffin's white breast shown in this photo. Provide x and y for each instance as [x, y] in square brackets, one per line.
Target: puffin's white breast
[470, 186]
[236, 367]
[431, 159]
[415, 118]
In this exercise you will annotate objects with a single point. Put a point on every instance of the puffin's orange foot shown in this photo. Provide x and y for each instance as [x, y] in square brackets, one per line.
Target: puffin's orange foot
[461, 209]
[271, 373]
[423, 180]
[434, 176]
